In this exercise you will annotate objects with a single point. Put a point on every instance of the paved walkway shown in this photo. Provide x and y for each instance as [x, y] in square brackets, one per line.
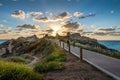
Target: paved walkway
[109, 65]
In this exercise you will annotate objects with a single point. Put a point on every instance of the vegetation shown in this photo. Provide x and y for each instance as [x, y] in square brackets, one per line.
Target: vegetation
[14, 65]
[16, 59]
[52, 61]
[15, 71]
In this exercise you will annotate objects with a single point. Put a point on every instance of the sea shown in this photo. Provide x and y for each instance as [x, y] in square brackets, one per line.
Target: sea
[2, 41]
[113, 44]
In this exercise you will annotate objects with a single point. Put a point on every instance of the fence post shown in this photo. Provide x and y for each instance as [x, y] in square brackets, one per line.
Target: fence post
[60, 43]
[81, 54]
[63, 45]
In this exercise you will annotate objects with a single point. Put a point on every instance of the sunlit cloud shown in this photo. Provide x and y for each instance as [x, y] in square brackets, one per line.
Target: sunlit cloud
[62, 16]
[5, 31]
[27, 26]
[18, 14]
[93, 26]
[34, 14]
[78, 14]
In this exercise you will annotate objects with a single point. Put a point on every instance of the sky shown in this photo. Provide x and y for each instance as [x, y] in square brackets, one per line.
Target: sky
[99, 19]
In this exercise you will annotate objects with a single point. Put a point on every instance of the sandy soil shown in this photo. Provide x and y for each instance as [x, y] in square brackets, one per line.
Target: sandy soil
[76, 70]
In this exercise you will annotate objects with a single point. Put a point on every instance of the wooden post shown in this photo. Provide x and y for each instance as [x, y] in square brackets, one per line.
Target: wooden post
[63, 45]
[69, 48]
[60, 43]
[81, 54]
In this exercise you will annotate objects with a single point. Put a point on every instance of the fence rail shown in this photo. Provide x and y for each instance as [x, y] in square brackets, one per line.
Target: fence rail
[108, 65]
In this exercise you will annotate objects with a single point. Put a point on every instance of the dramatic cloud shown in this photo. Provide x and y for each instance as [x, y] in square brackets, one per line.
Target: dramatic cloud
[18, 14]
[1, 4]
[72, 25]
[78, 14]
[41, 19]
[62, 16]
[28, 26]
[1, 25]
[34, 14]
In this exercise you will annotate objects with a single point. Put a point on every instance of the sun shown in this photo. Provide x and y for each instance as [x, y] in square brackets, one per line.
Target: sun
[55, 29]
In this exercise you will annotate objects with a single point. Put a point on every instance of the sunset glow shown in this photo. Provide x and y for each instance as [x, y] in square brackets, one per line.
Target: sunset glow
[37, 17]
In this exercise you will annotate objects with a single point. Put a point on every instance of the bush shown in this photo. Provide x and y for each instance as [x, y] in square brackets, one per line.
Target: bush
[15, 71]
[40, 67]
[51, 59]
[56, 57]
[27, 56]
[16, 59]
[54, 65]
[48, 66]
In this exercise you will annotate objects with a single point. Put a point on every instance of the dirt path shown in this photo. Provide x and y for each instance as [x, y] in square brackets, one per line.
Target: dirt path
[76, 70]
[35, 60]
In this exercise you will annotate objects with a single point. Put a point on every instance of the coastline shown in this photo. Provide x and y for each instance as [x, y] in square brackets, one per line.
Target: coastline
[112, 44]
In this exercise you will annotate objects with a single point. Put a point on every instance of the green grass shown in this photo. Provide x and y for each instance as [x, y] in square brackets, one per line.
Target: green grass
[52, 60]
[16, 59]
[15, 71]
[48, 66]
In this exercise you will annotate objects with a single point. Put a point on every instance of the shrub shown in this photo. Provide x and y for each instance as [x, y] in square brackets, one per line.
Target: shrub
[15, 71]
[16, 59]
[51, 58]
[56, 57]
[28, 56]
[48, 66]
[40, 67]
[54, 65]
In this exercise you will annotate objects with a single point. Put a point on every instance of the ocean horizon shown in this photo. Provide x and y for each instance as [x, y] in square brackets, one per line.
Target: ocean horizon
[112, 44]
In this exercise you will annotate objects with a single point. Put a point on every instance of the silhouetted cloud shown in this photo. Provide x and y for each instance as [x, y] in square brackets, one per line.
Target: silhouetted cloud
[41, 19]
[78, 14]
[89, 15]
[72, 25]
[106, 29]
[27, 26]
[49, 31]
[62, 16]
[99, 33]
[18, 14]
